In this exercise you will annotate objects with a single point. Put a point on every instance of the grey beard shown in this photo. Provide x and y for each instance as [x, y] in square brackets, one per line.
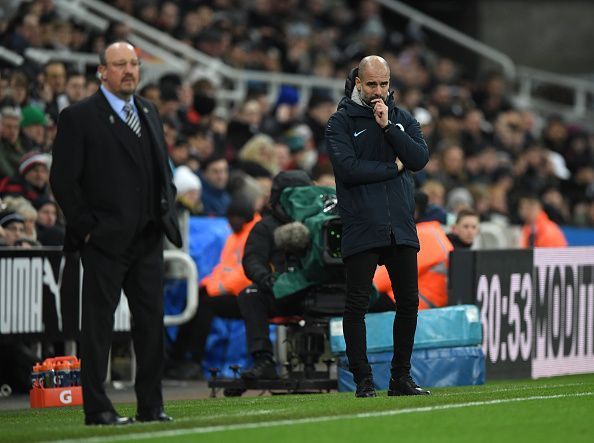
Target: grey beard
[356, 97]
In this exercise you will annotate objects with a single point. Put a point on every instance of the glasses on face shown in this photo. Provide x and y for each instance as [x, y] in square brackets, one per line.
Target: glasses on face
[121, 64]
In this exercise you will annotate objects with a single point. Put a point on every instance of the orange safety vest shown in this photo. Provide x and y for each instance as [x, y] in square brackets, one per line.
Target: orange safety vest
[228, 276]
[432, 262]
[547, 233]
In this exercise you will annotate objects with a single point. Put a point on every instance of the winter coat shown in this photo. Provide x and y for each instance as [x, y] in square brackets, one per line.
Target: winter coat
[375, 200]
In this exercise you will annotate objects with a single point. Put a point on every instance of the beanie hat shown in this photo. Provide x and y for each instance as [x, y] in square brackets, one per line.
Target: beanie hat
[457, 197]
[8, 217]
[32, 115]
[32, 159]
[288, 95]
[296, 137]
[185, 180]
[42, 201]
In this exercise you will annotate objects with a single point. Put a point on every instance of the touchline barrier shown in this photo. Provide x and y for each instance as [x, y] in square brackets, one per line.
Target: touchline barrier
[40, 294]
[536, 308]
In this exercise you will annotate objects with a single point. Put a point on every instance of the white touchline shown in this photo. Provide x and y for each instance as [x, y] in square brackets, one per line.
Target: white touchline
[275, 423]
[519, 388]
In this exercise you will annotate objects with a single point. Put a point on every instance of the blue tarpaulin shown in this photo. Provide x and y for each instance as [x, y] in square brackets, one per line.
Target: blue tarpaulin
[460, 366]
[447, 327]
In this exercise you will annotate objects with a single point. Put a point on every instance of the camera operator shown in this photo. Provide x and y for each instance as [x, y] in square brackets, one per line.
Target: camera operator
[263, 258]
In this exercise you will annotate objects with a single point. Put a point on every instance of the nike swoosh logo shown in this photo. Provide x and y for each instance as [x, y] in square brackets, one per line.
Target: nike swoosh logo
[357, 134]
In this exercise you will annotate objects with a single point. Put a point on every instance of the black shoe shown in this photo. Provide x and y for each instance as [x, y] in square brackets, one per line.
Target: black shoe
[158, 415]
[405, 385]
[264, 369]
[365, 388]
[107, 418]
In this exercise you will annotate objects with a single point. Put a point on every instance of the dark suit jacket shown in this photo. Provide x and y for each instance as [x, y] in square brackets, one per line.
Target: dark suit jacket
[96, 178]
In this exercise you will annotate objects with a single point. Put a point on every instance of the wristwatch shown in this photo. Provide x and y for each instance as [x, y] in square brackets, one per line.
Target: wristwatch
[389, 126]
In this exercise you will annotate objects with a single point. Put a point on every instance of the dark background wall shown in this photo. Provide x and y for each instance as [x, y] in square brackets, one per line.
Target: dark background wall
[553, 35]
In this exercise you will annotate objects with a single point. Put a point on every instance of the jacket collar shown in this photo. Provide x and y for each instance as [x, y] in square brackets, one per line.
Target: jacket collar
[354, 108]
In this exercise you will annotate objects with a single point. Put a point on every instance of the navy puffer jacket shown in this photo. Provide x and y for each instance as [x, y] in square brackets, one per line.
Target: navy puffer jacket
[374, 199]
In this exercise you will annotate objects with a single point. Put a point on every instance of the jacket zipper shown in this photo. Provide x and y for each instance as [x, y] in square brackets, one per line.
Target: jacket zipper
[387, 199]
[389, 215]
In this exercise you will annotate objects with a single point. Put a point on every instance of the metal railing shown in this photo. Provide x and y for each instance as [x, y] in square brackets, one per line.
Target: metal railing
[582, 92]
[472, 44]
[213, 68]
[192, 287]
[11, 57]
[232, 83]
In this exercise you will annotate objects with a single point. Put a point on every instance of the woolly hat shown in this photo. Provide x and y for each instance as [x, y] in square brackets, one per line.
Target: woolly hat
[185, 180]
[42, 201]
[8, 217]
[32, 115]
[457, 197]
[288, 95]
[32, 159]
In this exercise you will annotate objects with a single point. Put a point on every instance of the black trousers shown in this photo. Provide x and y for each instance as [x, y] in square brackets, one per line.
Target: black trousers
[257, 307]
[192, 335]
[401, 263]
[139, 272]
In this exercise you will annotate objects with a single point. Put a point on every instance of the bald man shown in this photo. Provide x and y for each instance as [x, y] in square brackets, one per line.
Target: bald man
[374, 148]
[111, 177]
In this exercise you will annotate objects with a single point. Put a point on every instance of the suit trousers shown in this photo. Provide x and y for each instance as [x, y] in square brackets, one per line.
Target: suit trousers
[401, 263]
[139, 272]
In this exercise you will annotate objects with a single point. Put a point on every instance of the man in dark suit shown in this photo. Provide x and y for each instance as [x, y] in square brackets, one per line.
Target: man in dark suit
[111, 177]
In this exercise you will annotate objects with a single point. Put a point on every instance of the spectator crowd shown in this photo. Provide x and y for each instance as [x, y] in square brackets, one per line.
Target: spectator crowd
[486, 155]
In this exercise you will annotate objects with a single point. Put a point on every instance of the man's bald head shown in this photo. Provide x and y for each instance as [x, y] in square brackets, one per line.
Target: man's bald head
[373, 79]
[373, 63]
[111, 47]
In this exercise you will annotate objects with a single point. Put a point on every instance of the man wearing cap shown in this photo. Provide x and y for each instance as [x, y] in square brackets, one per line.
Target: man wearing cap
[33, 126]
[12, 228]
[32, 181]
[112, 179]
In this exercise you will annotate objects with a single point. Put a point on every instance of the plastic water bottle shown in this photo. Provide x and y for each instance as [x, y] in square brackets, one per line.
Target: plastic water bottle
[63, 378]
[75, 373]
[36, 376]
[49, 376]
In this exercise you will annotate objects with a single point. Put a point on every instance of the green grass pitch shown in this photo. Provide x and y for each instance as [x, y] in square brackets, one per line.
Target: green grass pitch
[557, 409]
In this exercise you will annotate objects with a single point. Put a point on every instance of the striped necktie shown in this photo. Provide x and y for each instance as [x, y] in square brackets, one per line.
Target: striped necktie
[132, 119]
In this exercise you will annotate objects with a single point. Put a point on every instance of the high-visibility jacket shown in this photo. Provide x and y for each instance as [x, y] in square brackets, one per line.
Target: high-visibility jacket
[546, 233]
[228, 276]
[433, 261]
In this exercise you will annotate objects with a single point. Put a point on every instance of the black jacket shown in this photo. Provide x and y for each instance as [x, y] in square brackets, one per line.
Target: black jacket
[374, 199]
[262, 257]
[96, 178]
